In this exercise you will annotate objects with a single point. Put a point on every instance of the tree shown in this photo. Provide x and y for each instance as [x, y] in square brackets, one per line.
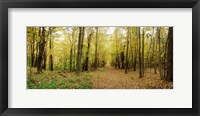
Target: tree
[150, 48]
[140, 58]
[127, 45]
[135, 58]
[153, 56]
[80, 46]
[143, 52]
[71, 48]
[41, 49]
[88, 49]
[170, 55]
[159, 53]
[96, 44]
[50, 48]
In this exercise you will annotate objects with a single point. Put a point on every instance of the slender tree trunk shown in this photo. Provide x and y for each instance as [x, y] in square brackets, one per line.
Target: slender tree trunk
[82, 40]
[70, 62]
[45, 57]
[50, 49]
[122, 59]
[74, 61]
[153, 55]
[135, 58]
[127, 45]
[159, 54]
[88, 51]
[96, 45]
[36, 54]
[139, 52]
[148, 54]
[143, 65]
[33, 47]
[71, 51]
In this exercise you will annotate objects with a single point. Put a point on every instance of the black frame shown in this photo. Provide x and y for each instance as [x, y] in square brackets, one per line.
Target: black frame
[5, 4]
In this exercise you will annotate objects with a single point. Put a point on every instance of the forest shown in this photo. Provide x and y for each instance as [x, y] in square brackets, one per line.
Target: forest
[99, 57]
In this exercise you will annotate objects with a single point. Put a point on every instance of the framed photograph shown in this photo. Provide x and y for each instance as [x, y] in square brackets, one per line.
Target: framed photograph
[110, 57]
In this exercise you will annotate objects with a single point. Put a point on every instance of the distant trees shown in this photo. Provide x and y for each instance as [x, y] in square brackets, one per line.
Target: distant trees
[77, 49]
[150, 48]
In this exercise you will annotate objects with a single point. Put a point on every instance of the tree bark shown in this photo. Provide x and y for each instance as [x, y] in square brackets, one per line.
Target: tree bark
[96, 45]
[153, 56]
[41, 49]
[170, 55]
[88, 51]
[78, 64]
[159, 55]
[127, 47]
[143, 52]
[80, 46]
[139, 52]
[136, 50]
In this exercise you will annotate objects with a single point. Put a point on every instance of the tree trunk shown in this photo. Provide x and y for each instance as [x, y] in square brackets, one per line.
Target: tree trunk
[96, 45]
[139, 52]
[170, 55]
[50, 49]
[80, 46]
[78, 64]
[70, 62]
[135, 58]
[82, 40]
[127, 45]
[143, 53]
[159, 54]
[71, 51]
[88, 51]
[33, 47]
[153, 55]
[148, 54]
[41, 49]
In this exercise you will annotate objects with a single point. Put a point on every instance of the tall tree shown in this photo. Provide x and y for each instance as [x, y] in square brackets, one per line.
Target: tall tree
[88, 49]
[153, 55]
[139, 52]
[33, 46]
[170, 55]
[71, 40]
[80, 46]
[159, 53]
[41, 49]
[50, 48]
[78, 64]
[143, 33]
[127, 49]
[135, 55]
[150, 46]
[96, 49]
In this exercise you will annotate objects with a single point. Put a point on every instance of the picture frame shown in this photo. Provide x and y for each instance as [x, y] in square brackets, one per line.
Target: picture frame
[6, 4]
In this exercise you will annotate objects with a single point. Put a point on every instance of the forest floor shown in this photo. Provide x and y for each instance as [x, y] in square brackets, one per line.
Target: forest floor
[104, 78]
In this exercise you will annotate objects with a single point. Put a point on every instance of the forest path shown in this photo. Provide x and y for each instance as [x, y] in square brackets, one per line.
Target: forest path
[111, 78]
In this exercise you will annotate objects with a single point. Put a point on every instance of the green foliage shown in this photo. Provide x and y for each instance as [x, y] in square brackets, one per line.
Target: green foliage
[57, 80]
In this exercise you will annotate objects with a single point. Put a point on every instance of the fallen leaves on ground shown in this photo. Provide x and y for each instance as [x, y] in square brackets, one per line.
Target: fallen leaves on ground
[103, 78]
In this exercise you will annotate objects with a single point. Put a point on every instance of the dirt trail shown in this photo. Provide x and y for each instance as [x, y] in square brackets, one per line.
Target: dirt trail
[109, 77]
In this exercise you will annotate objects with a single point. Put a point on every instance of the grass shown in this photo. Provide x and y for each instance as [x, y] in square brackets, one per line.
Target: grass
[59, 80]
[102, 78]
